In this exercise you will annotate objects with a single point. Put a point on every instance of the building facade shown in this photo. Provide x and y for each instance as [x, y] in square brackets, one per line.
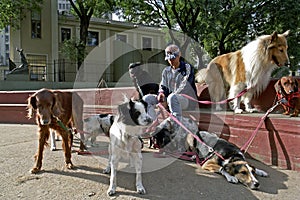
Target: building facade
[111, 47]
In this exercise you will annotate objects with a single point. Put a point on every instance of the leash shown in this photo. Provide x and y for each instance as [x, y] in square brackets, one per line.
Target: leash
[187, 156]
[210, 149]
[69, 130]
[98, 153]
[62, 125]
[245, 147]
[218, 102]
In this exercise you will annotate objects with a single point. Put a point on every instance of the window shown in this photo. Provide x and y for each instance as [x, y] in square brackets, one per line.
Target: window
[65, 34]
[93, 38]
[121, 37]
[147, 43]
[37, 67]
[36, 30]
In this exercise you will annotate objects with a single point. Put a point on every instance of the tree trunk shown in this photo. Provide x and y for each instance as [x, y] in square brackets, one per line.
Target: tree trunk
[84, 24]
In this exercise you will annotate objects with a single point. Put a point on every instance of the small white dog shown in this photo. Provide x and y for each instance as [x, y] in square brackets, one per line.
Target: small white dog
[124, 141]
[53, 138]
[95, 125]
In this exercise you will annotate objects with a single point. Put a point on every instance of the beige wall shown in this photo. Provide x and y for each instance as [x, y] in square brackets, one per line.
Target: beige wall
[100, 58]
[44, 46]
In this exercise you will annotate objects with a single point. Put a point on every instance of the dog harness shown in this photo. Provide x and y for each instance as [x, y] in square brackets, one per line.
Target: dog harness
[289, 98]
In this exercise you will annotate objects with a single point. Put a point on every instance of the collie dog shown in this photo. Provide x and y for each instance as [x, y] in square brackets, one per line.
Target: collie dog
[251, 67]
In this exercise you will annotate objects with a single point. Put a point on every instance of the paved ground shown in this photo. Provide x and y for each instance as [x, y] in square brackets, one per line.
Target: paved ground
[164, 178]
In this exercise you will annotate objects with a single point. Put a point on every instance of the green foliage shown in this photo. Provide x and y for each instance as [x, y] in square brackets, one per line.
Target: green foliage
[219, 26]
[84, 10]
[70, 49]
[11, 11]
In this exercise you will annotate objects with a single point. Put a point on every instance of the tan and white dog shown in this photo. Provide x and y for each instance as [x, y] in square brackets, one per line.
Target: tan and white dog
[251, 67]
[124, 133]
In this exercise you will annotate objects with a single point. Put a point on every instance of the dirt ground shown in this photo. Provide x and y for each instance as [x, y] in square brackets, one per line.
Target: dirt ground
[163, 178]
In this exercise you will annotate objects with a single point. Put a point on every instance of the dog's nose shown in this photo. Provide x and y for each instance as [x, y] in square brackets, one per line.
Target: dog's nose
[256, 184]
[291, 91]
[148, 120]
[45, 121]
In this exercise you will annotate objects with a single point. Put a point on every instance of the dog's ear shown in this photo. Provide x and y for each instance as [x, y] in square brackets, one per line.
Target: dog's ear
[274, 36]
[131, 104]
[145, 104]
[57, 109]
[124, 115]
[285, 34]
[230, 168]
[122, 109]
[31, 106]
[278, 86]
[296, 85]
[125, 98]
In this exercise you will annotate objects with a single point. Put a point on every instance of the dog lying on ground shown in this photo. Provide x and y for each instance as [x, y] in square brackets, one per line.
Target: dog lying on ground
[249, 67]
[235, 168]
[124, 140]
[287, 88]
[50, 106]
[97, 124]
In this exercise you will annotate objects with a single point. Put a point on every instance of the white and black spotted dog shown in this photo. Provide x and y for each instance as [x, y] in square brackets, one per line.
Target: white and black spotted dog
[171, 136]
[96, 125]
[53, 138]
[128, 125]
[92, 127]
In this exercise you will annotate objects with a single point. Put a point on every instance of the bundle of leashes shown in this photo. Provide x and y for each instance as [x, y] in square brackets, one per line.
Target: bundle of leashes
[193, 156]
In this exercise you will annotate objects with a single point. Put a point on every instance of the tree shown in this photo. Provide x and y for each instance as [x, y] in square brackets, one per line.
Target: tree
[219, 26]
[84, 10]
[11, 11]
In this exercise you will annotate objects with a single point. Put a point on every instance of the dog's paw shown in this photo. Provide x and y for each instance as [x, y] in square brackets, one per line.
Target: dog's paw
[69, 166]
[252, 110]
[261, 173]
[140, 189]
[106, 170]
[294, 115]
[231, 179]
[35, 170]
[111, 191]
[218, 108]
[238, 111]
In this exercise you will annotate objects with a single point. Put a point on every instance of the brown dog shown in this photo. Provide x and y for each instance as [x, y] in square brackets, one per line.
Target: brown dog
[229, 74]
[50, 106]
[287, 87]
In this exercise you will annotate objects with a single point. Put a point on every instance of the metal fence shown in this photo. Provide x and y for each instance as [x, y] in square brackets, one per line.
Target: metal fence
[56, 71]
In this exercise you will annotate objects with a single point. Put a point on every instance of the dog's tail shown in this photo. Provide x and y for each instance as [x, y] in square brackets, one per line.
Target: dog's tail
[201, 76]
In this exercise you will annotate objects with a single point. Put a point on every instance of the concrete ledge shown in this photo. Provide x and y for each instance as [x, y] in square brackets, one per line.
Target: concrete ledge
[276, 143]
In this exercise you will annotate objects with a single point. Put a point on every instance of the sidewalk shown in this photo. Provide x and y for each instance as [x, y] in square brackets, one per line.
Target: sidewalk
[163, 178]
